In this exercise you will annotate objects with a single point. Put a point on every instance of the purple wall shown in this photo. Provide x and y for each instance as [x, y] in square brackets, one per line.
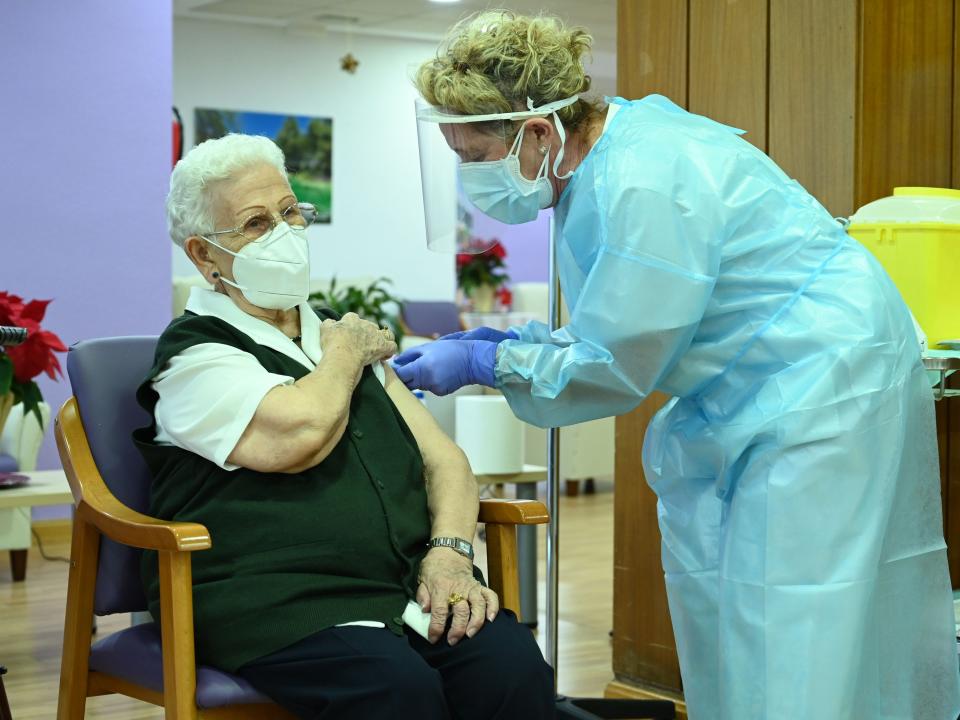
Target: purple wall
[528, 245]
[85, 137]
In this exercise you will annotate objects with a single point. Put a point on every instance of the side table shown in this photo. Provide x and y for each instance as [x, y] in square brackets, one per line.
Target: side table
[46, 487]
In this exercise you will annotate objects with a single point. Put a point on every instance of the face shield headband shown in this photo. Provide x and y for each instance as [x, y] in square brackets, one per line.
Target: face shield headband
[437, 115]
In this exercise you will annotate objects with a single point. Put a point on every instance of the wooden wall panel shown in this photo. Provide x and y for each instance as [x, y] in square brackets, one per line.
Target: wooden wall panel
[652, 49]
[728, 64]
[905, 113]
[644, 649]
[812, 98]
[651, 58]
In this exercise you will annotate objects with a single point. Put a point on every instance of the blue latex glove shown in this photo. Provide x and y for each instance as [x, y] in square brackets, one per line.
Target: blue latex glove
[482, 333]
[442, 367]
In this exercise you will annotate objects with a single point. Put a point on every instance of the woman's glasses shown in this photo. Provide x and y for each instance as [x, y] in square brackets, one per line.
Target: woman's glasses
[258, 226]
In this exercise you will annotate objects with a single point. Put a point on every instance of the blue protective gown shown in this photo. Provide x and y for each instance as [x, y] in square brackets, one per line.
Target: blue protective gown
[796, 466]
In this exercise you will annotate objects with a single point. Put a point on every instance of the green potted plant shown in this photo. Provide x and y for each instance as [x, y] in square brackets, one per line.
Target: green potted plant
[374, 303]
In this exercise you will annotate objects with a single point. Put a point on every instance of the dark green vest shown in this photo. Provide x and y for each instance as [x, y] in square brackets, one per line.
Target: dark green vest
[292, 554]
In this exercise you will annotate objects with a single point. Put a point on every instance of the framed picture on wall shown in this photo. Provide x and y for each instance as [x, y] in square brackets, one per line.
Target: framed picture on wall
[306, 142]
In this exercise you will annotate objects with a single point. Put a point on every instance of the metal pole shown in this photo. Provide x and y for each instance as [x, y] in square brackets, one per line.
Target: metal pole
[553, 486]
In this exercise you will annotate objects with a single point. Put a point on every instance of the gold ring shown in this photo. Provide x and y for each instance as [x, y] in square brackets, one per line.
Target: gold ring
[454, 598]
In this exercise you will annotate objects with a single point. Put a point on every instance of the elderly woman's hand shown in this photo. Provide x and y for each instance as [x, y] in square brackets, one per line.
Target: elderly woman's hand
[367, 341]
[446, 575]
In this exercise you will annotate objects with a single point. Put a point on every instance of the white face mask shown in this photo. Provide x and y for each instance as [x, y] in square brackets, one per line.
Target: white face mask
[500, 190]
[273, 272]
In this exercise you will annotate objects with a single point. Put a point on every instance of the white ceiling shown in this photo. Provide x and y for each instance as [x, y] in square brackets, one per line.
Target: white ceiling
[398, 18]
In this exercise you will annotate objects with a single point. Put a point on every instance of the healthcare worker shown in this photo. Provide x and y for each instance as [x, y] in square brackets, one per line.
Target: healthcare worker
[796, 465]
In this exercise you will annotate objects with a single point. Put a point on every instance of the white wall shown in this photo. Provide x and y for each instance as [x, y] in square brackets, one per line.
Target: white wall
[377, 227]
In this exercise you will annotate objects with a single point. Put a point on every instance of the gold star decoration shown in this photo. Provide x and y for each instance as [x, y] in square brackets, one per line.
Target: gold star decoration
[348, 63]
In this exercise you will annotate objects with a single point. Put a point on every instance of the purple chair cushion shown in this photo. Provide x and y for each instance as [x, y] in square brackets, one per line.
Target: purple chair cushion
[8, 463]
[105, 374]
[135, 655]
[431, 318]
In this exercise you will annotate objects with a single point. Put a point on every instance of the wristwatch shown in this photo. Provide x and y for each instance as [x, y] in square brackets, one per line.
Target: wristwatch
[458, 544]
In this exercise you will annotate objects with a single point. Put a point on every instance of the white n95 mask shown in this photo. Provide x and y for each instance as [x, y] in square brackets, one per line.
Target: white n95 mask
[273, 272]
[499, 189]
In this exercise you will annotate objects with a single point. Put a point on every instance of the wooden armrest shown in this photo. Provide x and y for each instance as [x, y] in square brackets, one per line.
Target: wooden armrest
[128, 527]
[513, 512]
[100, 507]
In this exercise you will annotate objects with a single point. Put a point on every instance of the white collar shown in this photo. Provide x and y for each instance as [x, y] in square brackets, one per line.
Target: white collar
[204, 301]
[612, 109]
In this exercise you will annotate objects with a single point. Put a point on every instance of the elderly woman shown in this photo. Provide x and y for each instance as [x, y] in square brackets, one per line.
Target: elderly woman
[340, 582]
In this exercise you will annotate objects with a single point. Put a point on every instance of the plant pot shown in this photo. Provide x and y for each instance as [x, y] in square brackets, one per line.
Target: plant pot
[483, 297]
[6, 404]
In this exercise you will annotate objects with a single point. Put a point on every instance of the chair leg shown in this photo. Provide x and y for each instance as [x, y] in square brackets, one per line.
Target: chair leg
[176, 631]
[74, 667]
[573, 488]
[18, 565]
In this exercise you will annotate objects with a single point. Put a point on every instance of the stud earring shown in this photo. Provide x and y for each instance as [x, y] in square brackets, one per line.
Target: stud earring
[543, 149]
[216, 275]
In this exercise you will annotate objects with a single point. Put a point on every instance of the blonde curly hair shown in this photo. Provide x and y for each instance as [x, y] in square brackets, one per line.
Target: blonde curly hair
[492, 61]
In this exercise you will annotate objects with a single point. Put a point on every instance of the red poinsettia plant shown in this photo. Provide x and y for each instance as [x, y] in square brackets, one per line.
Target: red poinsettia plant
[476, 267]
[19, 365]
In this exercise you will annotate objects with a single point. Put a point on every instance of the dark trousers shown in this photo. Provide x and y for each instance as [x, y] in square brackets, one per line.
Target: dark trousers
[361, 673]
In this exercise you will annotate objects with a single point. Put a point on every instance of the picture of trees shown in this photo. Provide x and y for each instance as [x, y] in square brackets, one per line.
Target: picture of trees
[306, 142]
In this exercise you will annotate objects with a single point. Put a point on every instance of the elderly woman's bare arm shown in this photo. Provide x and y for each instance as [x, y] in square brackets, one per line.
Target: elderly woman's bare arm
[297, 426]
[453, 500]
[451, 488]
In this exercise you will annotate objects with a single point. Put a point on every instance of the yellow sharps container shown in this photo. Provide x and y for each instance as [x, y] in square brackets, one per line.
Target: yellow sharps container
[916, 237]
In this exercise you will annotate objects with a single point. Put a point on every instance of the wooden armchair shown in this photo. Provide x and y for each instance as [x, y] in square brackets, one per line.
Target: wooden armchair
[110, 485]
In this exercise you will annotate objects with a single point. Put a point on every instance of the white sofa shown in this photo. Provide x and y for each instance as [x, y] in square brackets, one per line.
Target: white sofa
[21, 439]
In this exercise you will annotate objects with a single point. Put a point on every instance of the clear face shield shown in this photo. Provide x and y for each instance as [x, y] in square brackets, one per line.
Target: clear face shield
[473, 189]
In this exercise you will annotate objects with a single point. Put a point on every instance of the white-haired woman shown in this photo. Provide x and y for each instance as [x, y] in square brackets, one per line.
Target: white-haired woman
[322, 480]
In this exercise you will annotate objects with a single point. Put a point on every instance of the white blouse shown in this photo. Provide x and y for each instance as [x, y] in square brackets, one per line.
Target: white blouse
[210, 392]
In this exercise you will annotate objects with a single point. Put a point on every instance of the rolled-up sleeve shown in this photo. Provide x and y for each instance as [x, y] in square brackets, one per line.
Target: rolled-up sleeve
[208, 394]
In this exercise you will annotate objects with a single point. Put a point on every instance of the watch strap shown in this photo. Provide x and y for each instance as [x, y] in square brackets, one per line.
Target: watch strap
[454, 543]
